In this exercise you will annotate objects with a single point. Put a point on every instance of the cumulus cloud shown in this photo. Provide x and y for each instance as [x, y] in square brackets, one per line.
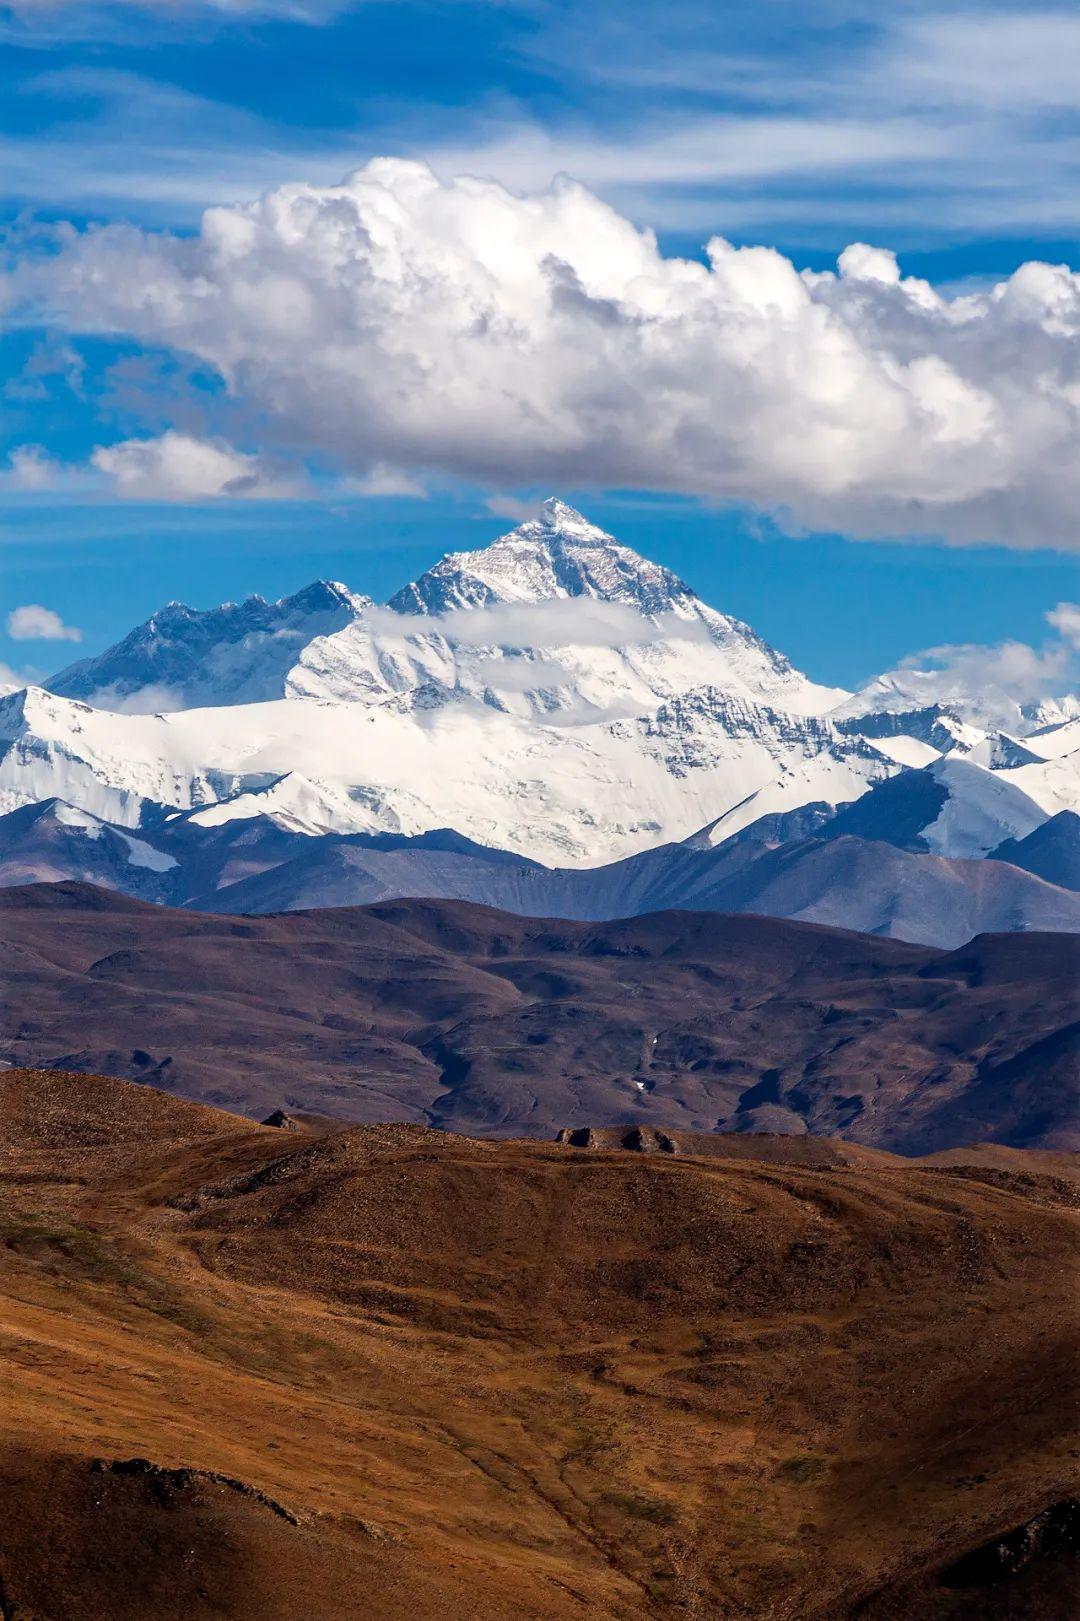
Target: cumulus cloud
[178, 467]
[33, 623]
[29, 468]
[1065, 619]
[454, 327]
[994, 683]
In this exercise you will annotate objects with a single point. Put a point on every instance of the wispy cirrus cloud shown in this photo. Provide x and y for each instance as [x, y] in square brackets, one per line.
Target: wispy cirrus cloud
[851, 56]
[63, 22]
[697, 119]
[857, 114]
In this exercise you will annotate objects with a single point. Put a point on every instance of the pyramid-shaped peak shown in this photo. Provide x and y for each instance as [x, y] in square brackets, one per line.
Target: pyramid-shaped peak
[558, 553]
[557, 517]
[321, 596]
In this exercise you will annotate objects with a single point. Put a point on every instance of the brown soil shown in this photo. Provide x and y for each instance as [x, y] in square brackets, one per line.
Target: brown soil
[387, 1372]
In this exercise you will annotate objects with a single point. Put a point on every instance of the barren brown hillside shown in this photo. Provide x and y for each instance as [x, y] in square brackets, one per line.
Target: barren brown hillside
[477, 1021]
[387, 1372]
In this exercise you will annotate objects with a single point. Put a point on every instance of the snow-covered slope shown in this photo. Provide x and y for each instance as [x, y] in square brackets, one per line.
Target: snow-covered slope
[555, 618]
[182, 658]
[558, 620]
[1052, 742]
[554, 695]
[52, 841]
[119, 767]
[557, 554]
[953, 807]
[572, 795]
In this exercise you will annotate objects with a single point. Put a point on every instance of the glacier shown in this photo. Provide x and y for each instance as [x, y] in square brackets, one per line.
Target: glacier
[553, 695]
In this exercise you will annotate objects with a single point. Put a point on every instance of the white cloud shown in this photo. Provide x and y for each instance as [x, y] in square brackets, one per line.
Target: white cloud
[151, 700]
[910, 57]
[30, 468]
[33, 623]
[77, 19]
[178, 467]
[923, 119]
[11, 680]
[172, 467]
[563, 622]
[995, 682]
[987, 58]
[509, 506]
[927, 118]
[49, 363]
[1065, 619]
[383, 481]
[550, 623]
[454, 327]
[1004, 675]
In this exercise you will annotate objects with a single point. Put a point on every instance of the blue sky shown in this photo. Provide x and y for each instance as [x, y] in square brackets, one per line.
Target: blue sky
[947, 134]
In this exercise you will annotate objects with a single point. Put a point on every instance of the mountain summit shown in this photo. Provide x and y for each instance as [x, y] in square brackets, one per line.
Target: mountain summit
[186, 658]
[554, 694]
[559, 620]
[651, 639]
[559, 553]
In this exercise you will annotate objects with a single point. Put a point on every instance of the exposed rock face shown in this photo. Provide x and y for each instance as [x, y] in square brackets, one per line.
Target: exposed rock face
[1055, 1531]
[167, 1485]
[638, 1139]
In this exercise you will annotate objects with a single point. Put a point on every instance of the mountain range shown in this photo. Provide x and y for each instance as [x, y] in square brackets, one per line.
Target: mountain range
[812, 864]
[474, 1020]
[554, 725]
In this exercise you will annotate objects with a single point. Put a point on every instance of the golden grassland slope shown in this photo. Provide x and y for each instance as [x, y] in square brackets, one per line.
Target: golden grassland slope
[387, 1372]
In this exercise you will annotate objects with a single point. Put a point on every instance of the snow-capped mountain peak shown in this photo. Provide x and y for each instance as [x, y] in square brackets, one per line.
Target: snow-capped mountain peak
[559, 517]
[557, 554]
[555, 694]
[182, 657]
